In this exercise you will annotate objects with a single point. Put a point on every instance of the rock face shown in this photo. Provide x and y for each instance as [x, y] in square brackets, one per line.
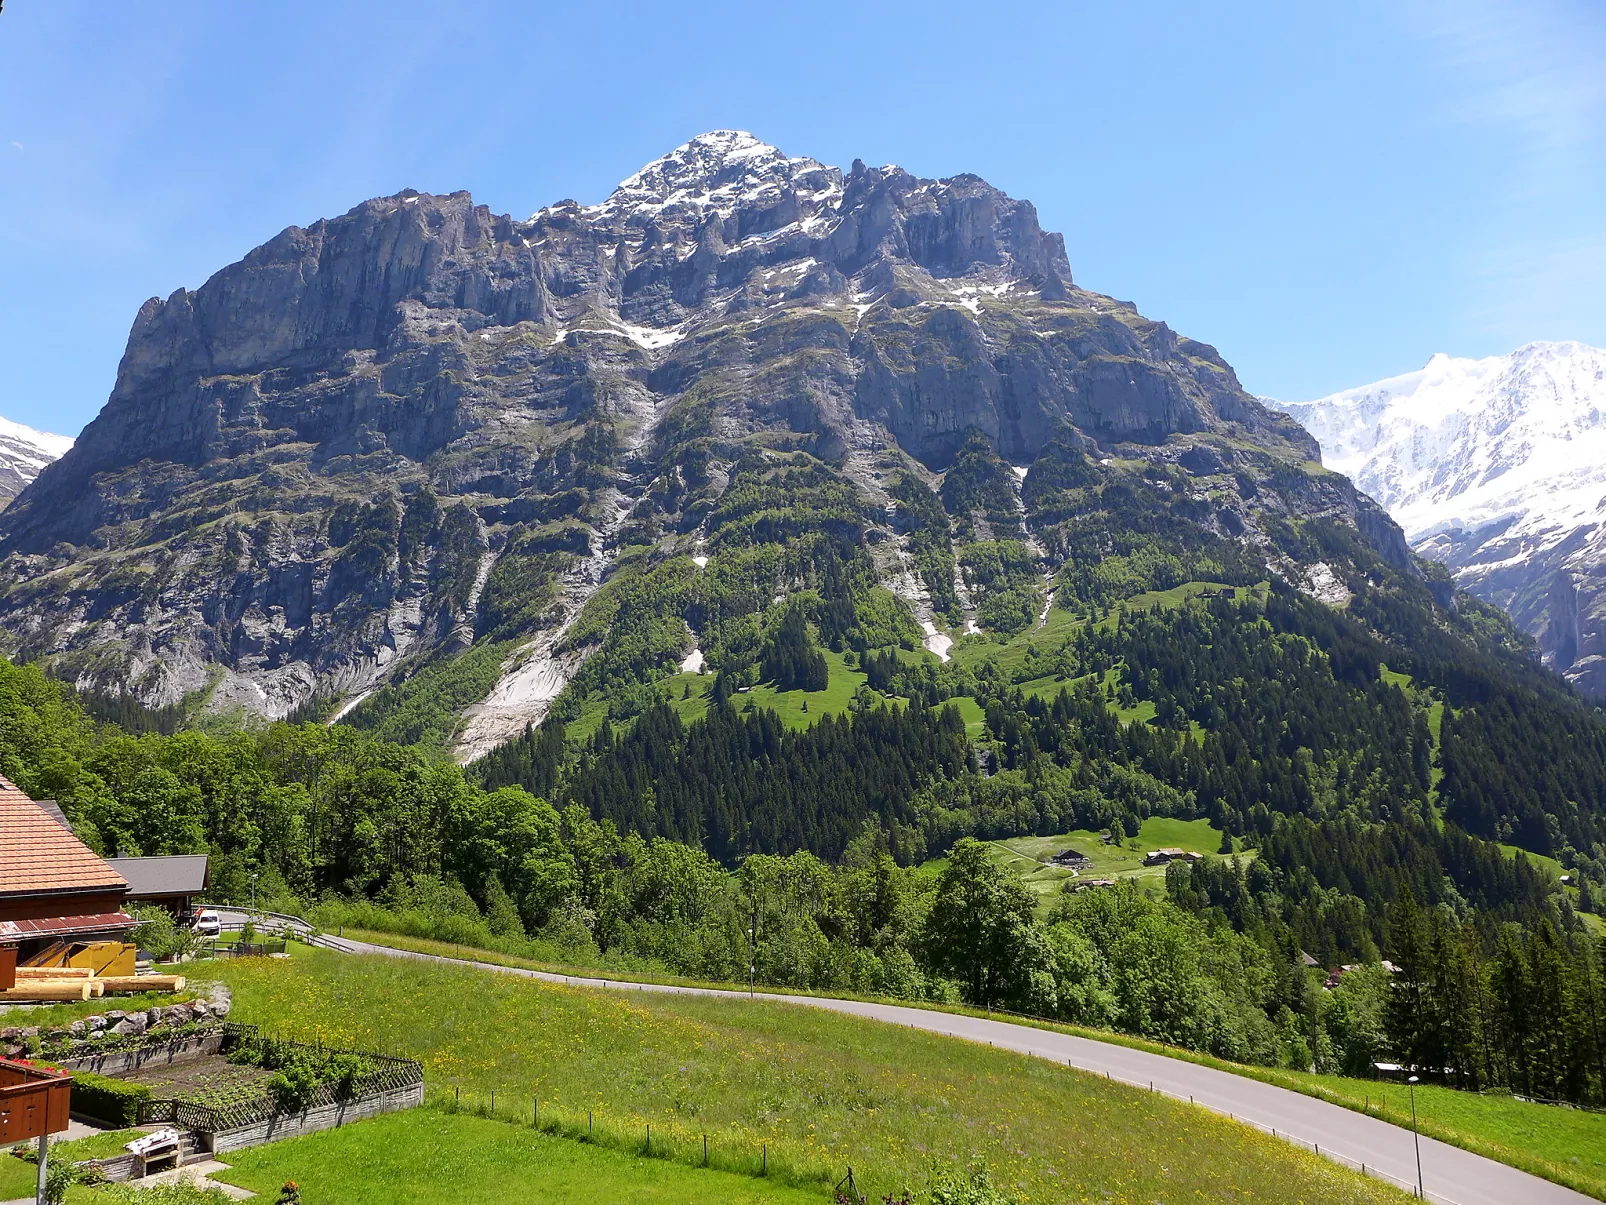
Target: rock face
[422, 426]
[1497, 468]
[23, 453]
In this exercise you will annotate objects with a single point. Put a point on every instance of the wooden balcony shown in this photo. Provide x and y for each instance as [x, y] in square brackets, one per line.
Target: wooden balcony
[33, 1101]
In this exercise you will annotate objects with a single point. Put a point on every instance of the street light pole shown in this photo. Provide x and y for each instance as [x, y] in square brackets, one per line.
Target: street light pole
[1416, 1138]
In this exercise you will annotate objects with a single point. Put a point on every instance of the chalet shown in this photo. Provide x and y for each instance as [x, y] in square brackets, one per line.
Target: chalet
[1161, 856]
[1338, 973]
[1074, 885]
[174, 882]
[53, 887]
[1071, 857]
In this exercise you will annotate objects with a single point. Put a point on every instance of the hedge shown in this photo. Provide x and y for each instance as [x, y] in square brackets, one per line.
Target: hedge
[113, 1101]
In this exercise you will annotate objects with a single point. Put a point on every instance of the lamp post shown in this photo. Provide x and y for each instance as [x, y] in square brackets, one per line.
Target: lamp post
[1416, 1138]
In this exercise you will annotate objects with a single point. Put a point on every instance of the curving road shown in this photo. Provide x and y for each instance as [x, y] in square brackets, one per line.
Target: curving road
[1449, 1174]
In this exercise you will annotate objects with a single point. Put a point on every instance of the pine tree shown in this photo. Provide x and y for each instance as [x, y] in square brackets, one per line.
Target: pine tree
[1408, 1023]
[501, 914]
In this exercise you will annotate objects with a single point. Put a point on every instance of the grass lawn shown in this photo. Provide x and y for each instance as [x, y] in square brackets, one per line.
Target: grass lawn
[820, 1090]
[429, 1155]
[19, 1178]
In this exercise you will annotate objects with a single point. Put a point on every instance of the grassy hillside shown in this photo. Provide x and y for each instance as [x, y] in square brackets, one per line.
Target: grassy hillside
[689, 693]
[1563, 1144]
[1556, 1142]
[820, 1092]
[1031, 857]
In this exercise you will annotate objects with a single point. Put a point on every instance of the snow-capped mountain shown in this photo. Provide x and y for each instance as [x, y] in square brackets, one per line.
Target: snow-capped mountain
[23, 452]
[719, 172]
[1496, 467]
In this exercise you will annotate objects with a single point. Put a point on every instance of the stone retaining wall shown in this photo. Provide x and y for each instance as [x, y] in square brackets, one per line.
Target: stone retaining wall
[167, 1054]
[324, 1117]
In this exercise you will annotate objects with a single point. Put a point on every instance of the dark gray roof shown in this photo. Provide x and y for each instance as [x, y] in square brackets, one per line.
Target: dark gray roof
[53, 810]
[177, 874]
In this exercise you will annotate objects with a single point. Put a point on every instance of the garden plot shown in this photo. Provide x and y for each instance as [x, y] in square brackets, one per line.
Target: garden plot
[211, 1081]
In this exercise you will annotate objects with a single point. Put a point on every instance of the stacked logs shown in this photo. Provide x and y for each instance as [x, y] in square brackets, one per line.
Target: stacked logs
[64, 984]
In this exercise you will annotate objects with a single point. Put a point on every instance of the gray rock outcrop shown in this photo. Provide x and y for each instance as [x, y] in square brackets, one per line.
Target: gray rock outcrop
[378, 438]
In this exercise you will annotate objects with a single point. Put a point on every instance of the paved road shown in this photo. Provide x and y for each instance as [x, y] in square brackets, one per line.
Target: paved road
[1449, 1174]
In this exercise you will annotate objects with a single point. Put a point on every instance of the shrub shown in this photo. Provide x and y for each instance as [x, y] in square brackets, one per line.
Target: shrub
[293, 1087]
[113, 1101]
[972, 1187]
[299, 1071]
[158, 935]
[184, 1192]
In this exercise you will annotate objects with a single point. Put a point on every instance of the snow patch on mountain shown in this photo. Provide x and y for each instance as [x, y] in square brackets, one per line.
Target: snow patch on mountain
[23, 453]
[720, 172]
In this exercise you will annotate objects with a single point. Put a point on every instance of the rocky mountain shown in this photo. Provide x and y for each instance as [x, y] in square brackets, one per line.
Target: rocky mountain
[1497, 469]
[524, 465]
[23, 453]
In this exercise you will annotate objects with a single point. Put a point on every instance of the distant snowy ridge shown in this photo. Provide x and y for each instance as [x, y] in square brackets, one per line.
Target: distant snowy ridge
[23, 452]
[1497, 467]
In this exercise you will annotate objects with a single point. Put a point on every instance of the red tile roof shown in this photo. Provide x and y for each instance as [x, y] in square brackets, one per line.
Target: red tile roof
[39, 857]
[95, 925]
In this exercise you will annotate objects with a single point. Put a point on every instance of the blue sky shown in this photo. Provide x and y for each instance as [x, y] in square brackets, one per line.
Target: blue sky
[1327, 193]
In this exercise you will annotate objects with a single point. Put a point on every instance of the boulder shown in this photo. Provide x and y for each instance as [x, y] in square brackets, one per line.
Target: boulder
[78, 1029]
[132, 1025]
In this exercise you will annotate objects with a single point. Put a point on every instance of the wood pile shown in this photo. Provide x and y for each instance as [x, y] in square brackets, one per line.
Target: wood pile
[50, 985]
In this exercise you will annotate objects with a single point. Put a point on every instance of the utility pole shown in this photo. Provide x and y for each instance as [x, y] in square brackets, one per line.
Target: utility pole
[44, 1171]
[752, 950]
[1416, 1138]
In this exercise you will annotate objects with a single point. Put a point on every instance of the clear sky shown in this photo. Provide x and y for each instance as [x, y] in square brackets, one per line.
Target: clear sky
[1329, 193]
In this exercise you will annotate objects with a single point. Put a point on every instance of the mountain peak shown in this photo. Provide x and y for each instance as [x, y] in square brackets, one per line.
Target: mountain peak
[718, 171]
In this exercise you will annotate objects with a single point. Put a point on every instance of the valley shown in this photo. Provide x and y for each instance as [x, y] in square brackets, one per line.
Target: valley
[761, 577]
